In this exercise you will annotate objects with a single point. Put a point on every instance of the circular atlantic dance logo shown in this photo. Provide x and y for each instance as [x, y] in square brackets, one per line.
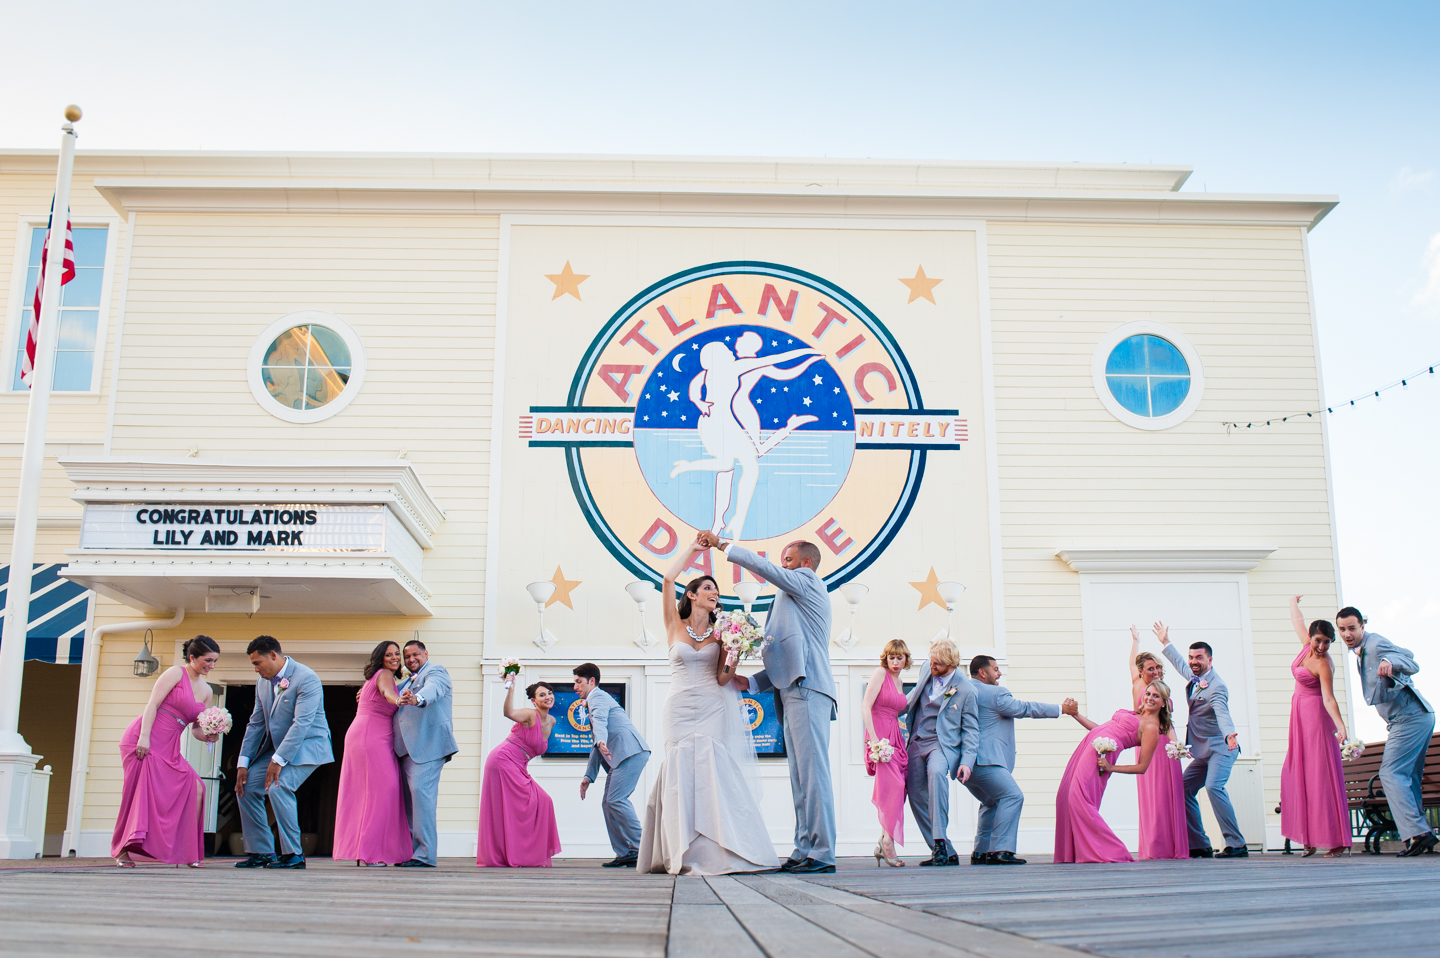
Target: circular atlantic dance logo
[754, 400]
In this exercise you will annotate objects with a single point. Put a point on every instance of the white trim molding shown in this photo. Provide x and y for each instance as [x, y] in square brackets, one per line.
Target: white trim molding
[1191, 559]
[1172, 336]
[306, 317]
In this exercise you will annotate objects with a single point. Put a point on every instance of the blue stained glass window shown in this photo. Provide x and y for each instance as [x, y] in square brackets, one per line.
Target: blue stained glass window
[79, 309]
[1148, 376]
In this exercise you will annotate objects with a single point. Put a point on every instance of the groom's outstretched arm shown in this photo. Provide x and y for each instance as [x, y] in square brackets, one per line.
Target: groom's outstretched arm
[793, 581]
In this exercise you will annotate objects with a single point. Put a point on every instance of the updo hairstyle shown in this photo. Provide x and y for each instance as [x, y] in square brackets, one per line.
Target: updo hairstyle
[199, 647]
[534, 687]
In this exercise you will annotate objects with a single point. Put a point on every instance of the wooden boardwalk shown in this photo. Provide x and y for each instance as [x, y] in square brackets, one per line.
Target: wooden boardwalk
[1269, 905]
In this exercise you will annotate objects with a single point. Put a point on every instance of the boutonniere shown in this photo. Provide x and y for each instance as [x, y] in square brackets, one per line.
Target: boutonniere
[1204, 684]
[283, 684]
[949, 691]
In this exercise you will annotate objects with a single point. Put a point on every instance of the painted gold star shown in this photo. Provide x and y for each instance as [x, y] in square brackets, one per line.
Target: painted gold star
[921, 285]
[563, 588]
[929, 591]
[568, 281]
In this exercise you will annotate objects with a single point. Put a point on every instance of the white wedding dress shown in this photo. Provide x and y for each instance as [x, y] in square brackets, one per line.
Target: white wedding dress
[703, 815]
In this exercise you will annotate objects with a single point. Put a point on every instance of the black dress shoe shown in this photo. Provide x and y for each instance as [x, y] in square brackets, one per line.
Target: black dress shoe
[1004, 858]
[790, 863]
[255, 861]
[287, 861]
[811, 867]
[414, 863]
[1419, 845]
[942, 855]
[1240, 852]
[978, 858]
[1202, 853]
[622, 861]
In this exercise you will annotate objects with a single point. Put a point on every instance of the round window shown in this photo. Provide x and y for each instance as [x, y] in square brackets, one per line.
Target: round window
[306, 366]
[1148, 375]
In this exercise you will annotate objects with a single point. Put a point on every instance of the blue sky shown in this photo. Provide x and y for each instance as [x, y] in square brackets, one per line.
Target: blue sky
[1273, 97]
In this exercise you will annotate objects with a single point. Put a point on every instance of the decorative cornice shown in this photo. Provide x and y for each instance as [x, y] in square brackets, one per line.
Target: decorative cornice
[1196, 559]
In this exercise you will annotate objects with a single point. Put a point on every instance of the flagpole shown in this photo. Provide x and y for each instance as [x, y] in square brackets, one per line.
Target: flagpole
[16, 760]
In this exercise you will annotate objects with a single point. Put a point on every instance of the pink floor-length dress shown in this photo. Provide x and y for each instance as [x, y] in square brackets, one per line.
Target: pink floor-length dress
[1162, 806]
[370, 824]
[889, 793]
[161, 803]
[1313, 808]
[1081, 835]
[517, 817]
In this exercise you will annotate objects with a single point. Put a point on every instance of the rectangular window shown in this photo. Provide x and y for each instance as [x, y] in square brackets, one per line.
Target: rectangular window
[79, 309]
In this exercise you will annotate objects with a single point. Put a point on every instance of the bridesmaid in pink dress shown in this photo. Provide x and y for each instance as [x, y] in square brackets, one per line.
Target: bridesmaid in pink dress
[517, 818]
[1161, 790]
[884, 701]
[1313, 807]
[163, 796]
[1081, 835]
[370, 824]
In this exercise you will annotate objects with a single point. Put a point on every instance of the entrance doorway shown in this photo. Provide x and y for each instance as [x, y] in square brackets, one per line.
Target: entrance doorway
[317, 798]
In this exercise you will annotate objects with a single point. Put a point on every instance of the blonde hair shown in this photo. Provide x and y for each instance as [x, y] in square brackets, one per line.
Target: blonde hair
[1166, 726]
[895, 647]
[945, 652]
[1144, 657]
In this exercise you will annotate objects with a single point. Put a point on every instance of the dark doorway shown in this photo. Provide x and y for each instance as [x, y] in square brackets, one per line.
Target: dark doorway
[316, 799]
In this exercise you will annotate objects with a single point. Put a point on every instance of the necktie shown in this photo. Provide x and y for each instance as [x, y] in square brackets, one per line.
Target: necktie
[1190, 690]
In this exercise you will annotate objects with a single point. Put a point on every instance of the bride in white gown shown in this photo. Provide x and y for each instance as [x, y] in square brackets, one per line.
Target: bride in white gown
[703, 815]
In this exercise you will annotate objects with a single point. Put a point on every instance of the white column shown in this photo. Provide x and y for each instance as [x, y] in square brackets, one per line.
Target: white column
[16, 759]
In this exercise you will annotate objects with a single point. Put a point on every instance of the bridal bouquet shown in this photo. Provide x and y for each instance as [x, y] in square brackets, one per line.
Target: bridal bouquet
[741, 636]
[881, 750]
[214, 721]
[1177, 750]
[1105, 746]
[1351, 748]
[509, 669]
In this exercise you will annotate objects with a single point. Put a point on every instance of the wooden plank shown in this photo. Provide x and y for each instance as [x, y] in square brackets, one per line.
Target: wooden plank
[708, 931]
[694, 891]
[778, 930]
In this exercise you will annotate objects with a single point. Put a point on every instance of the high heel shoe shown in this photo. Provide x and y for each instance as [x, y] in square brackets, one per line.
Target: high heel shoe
[881, 856]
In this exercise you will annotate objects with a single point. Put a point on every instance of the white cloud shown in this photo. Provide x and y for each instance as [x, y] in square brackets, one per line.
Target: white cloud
[1429, 295]
[1407, 179]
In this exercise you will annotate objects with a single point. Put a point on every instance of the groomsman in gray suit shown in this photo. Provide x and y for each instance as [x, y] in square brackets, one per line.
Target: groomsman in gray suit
[944, 723]
[286, 740]
[991, 781]
[1385, 671]
[425, 741]
[1214, 746]
[621, 751]
[797, 668]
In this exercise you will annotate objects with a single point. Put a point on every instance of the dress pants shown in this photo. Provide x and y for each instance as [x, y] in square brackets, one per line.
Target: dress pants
[421, 794]
[1403, 764]
[807, 718]
[1211, 772]
[258, 839]
[1001, 802]
[927, 783]
[621, 822]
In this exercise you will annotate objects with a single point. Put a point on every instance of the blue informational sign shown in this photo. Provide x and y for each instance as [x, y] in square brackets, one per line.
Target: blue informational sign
[764, 723]
[571, 734]
[904, 717]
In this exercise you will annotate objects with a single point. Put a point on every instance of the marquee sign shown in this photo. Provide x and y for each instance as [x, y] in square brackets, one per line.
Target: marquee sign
[752, 399]
[233, 526]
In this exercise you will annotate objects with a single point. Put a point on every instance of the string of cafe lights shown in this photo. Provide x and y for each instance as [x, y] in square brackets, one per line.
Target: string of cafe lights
[1403, 383]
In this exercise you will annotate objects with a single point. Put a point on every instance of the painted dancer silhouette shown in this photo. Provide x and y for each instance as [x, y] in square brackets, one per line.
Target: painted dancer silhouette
[729, 424]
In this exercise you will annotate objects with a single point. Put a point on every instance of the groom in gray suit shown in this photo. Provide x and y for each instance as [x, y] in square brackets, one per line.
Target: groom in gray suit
[286, 740]
[621, 751]
[1214, 746]
[424, 741]
[944, 724]
[1385, 671]
[797, 668]
[991, 781]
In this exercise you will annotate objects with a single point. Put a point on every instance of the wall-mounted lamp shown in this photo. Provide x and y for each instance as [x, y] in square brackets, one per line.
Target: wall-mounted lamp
[950, 592]
[541, 592]
[747, 593]
[639, 591]
[146, 664]
[852, 592]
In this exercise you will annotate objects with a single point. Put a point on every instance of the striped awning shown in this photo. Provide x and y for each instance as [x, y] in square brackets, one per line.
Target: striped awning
[59, 610]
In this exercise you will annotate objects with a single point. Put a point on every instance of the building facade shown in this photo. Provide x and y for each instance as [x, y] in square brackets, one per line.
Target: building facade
[341, 399]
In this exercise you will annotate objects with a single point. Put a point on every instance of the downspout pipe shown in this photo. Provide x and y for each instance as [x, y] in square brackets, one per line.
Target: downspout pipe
[85, 717]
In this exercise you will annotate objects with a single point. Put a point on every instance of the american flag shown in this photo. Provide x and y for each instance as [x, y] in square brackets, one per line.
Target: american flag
[32, 335]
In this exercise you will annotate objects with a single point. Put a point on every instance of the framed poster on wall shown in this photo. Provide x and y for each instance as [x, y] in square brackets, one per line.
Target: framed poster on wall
[765, 724]
[571, 734]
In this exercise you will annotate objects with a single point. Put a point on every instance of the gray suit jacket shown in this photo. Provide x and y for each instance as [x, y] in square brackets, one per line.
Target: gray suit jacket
[998, 710]
[426, 732]
[290, 722]
[798, 626]
[1379, 692]
[957, 727]
[1210, 722]
[610, 724]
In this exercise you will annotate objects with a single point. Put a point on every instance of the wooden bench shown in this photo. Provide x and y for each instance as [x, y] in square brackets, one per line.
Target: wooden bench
[1369, 811]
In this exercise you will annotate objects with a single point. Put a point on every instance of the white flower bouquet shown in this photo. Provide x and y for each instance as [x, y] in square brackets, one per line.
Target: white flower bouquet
[1351, 748]
[740, 634]
[509, 671]
[214, 721]
[881, 750]
[1177, 750]
[1105, 746]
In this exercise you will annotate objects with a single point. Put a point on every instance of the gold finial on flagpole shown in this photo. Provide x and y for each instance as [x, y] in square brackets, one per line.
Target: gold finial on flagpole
[72, 113]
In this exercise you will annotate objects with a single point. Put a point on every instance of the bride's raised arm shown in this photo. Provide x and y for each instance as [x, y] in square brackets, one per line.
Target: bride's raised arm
[667, 588]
